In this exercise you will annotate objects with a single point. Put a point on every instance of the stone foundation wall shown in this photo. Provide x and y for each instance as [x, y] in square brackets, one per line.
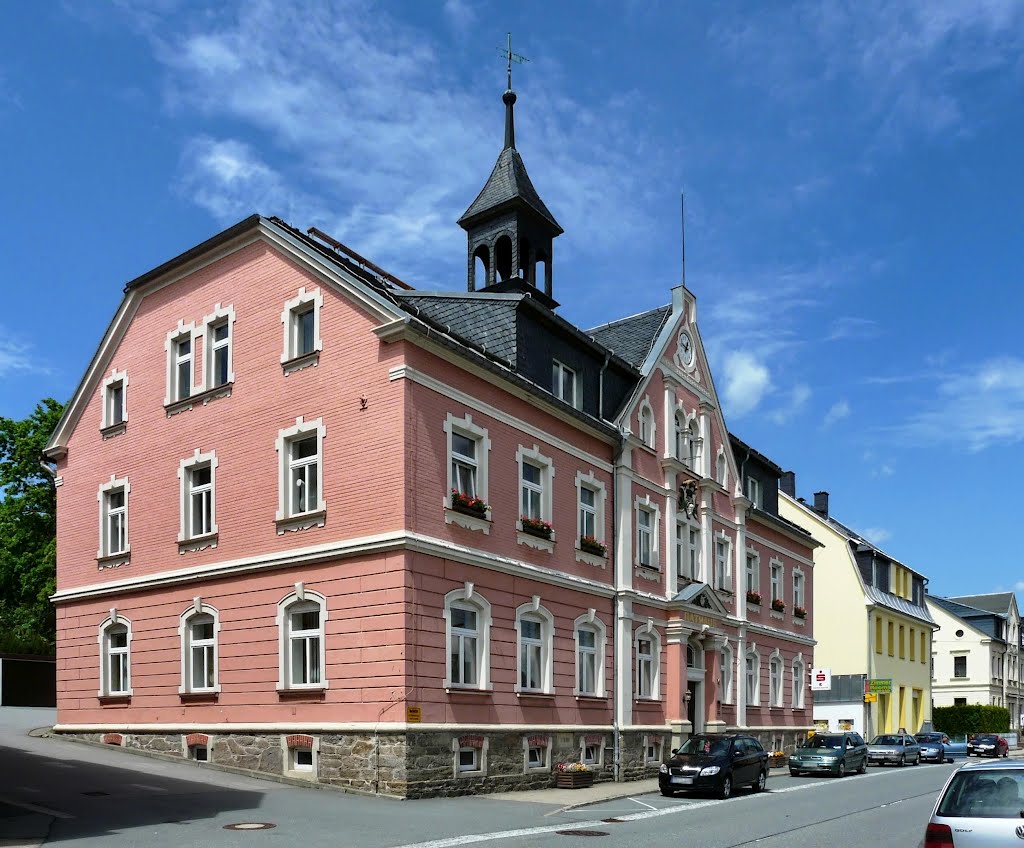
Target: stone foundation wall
[410, 764]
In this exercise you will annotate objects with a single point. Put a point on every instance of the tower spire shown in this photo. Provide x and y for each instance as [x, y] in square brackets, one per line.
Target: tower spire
[509, 97]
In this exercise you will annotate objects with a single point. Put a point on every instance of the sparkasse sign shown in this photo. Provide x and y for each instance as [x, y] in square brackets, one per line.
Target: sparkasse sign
[821, 679]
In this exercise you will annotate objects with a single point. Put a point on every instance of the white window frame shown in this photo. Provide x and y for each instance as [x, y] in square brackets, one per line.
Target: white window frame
[179, 334]
[776, 580]
[680, 435]
[590, 621]
[590, 481]
[545, 759]
[221, 316]
[647, 427]
[693, 461]
[721, 468]
[465, 427]
[799, 594]
[297, 306]
[480, 756]
[537, 613]
[799, 681]
[653, 746]
[728, 674]
[754, 492]
[647, 633]
[114, 484]
[752, 686]
[752, 564]
[597, 761]
[285, 438]
[468, 597]
[723, 562]
[293, 602]
[647, 505]
[776, 679]
[558, 374]
[534, 457]
[186, 490]
[117, 379]
[186, 620]
[115, 620]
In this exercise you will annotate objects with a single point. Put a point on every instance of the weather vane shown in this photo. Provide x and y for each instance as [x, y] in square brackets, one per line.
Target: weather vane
[512, 57]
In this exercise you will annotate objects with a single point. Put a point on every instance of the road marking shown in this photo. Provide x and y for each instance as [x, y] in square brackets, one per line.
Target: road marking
[642, 804]
[35, 808]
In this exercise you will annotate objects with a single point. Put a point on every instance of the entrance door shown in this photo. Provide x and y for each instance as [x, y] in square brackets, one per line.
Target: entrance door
[693, 699]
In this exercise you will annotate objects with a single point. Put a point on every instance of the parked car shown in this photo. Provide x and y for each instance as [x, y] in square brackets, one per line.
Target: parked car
[982, 804]
[895, 748]
[933, 747]
[832, 753]
[988, 745]
[715, 763]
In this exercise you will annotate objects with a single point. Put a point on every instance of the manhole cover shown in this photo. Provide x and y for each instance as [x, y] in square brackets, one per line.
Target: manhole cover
[96, 793]
[249, 826]
[581, 832]
[612, 820]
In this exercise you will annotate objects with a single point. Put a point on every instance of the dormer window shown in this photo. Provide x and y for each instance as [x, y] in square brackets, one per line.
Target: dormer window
[564, 384]
[754, 493]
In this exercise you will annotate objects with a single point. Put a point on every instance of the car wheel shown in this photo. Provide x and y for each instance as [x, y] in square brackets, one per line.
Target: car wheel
[1006, 753]
[668, 793]
[917, 760]
[863, 766]
[841, 769]
[794, 773]
[903, 760]
[762, 781]
[725, 790]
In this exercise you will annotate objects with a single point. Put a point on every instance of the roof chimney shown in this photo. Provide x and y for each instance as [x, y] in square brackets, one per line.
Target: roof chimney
[788, 483]
[821, 503]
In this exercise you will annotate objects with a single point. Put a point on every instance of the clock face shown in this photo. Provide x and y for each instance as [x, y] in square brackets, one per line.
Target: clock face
[685, 348]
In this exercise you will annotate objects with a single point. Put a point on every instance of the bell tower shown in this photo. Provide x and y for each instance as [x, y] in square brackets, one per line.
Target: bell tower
[509, 229]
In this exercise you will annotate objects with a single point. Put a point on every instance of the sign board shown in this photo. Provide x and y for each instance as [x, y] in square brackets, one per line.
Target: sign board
[698, 619]
[821, 679]
[878, 686]
[413, 715]
[870, 698]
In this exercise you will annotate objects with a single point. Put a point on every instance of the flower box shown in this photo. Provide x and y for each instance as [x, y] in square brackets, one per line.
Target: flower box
[536, 527]
[799, 612]
[592, 546]
[468, 504]
[779, 605]
[753, 598]
[777, 759]
[574, 779]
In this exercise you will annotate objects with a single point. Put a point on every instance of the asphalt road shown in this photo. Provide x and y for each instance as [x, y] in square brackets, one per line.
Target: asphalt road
[54, 791]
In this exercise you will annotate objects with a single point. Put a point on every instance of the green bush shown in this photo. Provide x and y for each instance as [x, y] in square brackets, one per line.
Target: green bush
[971, 718]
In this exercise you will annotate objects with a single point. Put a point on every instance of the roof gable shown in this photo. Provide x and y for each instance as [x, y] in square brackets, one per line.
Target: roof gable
[632, 338]
[702, 597]
[508, 185]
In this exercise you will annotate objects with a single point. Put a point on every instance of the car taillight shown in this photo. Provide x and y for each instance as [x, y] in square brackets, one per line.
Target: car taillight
[939, 834]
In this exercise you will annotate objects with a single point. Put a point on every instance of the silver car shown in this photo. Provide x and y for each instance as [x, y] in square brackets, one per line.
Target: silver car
[895, 748]
[982, 804]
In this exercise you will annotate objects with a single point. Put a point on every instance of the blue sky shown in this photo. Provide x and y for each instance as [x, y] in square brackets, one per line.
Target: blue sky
[852, 172]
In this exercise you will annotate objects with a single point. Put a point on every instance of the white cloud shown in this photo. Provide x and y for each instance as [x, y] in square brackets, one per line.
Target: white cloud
[837, 412]
[18, 358]
[795, 400]
[883, 470]
[460, 14]
[852, 327]
[746, 382]
[878, 535]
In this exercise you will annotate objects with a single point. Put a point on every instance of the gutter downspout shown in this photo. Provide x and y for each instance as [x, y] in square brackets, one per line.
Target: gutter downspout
[616, 723]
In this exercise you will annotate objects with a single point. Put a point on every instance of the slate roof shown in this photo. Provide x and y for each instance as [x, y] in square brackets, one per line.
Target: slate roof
[895, 602]
[508, 184]
[983, 620]
[632, 338]
[998, 602]
[487, 320]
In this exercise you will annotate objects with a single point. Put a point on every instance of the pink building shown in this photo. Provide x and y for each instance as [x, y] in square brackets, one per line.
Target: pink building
[315, 523]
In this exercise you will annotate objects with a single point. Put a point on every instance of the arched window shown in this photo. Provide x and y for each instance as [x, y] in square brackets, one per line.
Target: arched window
[721, 468]
[540, 270]
[590, 650]
[503, 258]
[751, 678]
[775, 678]
[727, 674]
[681, 436]
[300, 622]
[694, 656]
[645, 419]
[799, 683]
[115, 638]
[535, 626]
[467, 634]
[696, 443]
[647, 650]
[525, 266]
[198, 631]
[481, 262]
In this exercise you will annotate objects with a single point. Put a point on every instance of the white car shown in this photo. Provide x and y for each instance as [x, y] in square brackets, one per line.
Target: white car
[981, 805]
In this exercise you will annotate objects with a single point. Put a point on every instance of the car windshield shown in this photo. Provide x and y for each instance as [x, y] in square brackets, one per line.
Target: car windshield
[988, 740]
[825, 742]
[928, 737]
[887, 740]
[994, 794]
[705, 745]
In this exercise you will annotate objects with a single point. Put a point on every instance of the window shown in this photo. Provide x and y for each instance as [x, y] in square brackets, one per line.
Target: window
[588, 512]
[468, 618]
[727, 675]
[645, 537]
[645, 417]
[198, 512]
[775, 681]
[752, 669]
[912, 640]
[680, 434]
[300, 449]
[536, 756]
[300, 759]
[648, 661]
[798, 684]
[590, 647]
[564, 384]
[301, 322]
[878, 636]
[113, 500]
[959, 702]
[687, 551]
[300, 619]
[468, 447]
[798, 590]
[218, 360]
[923, 643]
[115, 638]
[590, 523]
[469, 759]
[536, 475]
[536, 629]
[721, 467]
[754, 492]
[890, 639]
[775, 572]
[652, 751]
[960, 666]
[198, 630]
[182, 368]
[199, 753]
[470, 755]
[903, 643]
[115, 404]
[753, 572]
[592, 751]
[722, 571]
[696, 446]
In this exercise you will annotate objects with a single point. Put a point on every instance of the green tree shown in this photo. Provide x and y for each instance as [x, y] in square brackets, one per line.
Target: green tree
[28, 532]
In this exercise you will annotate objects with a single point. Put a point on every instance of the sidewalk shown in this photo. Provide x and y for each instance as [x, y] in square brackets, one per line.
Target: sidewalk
[568, 798]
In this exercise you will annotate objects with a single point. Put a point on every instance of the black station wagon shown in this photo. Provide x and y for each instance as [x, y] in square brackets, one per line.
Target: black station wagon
[715, 763]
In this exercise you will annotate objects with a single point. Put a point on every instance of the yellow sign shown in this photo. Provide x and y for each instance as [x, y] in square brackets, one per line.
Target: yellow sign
[413, 715]
[698, 619]
[870, 698]
[880, 686]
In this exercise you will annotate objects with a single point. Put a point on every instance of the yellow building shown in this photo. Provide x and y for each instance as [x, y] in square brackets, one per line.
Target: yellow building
[871, 623]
